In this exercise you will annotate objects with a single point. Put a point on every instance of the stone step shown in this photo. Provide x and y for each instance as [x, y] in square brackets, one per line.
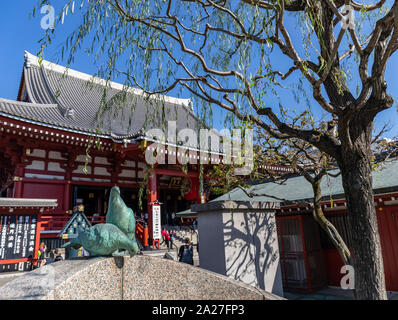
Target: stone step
[9, 276]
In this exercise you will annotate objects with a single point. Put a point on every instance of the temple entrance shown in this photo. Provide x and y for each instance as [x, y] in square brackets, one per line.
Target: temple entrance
[92, 198]
[95, 199]
[172, 201]
[131, 199]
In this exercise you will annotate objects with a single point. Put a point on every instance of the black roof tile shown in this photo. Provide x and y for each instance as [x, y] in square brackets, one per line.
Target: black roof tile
[72, 100]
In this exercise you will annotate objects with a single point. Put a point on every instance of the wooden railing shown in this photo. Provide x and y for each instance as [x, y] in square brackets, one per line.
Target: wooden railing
[57, 222]
[96, 219]
[141, 232]
[54, 222]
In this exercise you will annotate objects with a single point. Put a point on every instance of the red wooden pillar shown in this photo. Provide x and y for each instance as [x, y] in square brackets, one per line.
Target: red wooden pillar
[152, 197]
[67, 196]
[72, 165]
[18, 184]
[146, 236]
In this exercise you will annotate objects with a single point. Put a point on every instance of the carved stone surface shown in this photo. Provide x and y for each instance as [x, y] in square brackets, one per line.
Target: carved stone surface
[140, 278]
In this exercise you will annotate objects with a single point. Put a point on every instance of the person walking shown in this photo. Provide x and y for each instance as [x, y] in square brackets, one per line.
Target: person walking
[172, 238]
[58, 256]
[41, 253]
[173, 218]
[168, 218]
[166, 238]
[185, 253]
[163, 233]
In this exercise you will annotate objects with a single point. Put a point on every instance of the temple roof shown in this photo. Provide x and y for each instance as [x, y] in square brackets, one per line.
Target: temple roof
[27, 203]
[67, 99]
[298, 188]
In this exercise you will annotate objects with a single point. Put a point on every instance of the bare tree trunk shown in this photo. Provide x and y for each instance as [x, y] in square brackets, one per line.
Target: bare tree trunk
[356, 174]
[327, 226]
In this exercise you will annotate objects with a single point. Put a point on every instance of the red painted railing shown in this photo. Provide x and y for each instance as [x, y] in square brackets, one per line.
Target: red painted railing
[141, 232]
[57, 222]
[95, 220]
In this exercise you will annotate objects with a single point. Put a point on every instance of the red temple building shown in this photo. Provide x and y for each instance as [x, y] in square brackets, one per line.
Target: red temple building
[50, 146]
[309, 260]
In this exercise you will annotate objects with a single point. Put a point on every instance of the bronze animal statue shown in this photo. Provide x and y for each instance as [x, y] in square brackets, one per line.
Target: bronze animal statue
[118, 233]
[120, 215]
[104, 239]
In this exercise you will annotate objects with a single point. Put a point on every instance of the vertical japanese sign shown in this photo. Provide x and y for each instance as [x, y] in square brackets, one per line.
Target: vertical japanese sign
[156, 225]
[17, 238]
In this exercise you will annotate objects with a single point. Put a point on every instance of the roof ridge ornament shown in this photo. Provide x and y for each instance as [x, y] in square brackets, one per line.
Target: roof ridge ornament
[70, 113]
[27, 59]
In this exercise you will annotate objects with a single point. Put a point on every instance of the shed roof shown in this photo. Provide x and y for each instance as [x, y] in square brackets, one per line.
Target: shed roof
[186, 214]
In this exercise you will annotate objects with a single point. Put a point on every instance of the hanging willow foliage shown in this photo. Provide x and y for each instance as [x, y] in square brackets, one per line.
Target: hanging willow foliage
[240, 56]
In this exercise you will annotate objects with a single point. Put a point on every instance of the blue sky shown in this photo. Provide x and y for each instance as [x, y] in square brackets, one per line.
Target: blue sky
[19, 33]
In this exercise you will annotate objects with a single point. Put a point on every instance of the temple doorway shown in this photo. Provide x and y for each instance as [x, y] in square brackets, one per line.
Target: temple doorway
[95, 199]
[92, 198]
[172, 201]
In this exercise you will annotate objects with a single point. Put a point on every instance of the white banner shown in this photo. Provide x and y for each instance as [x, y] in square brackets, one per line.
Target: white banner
[156, 225]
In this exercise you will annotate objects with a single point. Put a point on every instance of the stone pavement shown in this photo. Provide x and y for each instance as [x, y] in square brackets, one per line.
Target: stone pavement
[330, 293]
[9, 276]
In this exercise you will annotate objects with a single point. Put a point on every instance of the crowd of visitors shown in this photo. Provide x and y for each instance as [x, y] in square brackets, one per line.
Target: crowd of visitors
[53, 256]
[168, 237]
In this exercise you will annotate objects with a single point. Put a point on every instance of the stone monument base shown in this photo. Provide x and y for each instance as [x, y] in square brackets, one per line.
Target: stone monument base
[125, 278]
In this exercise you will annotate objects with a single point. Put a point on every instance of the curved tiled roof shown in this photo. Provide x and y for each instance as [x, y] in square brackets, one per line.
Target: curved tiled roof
[19, 202]
[298, 188]
[48, 113]
[72, 100]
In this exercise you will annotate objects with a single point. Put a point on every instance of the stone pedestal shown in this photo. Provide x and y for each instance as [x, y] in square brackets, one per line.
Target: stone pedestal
[125, 278]
[239, 239]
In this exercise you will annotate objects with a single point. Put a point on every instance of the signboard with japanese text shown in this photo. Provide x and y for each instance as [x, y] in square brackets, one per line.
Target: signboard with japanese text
[156, 224]
[17, 238]
[18, 266]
